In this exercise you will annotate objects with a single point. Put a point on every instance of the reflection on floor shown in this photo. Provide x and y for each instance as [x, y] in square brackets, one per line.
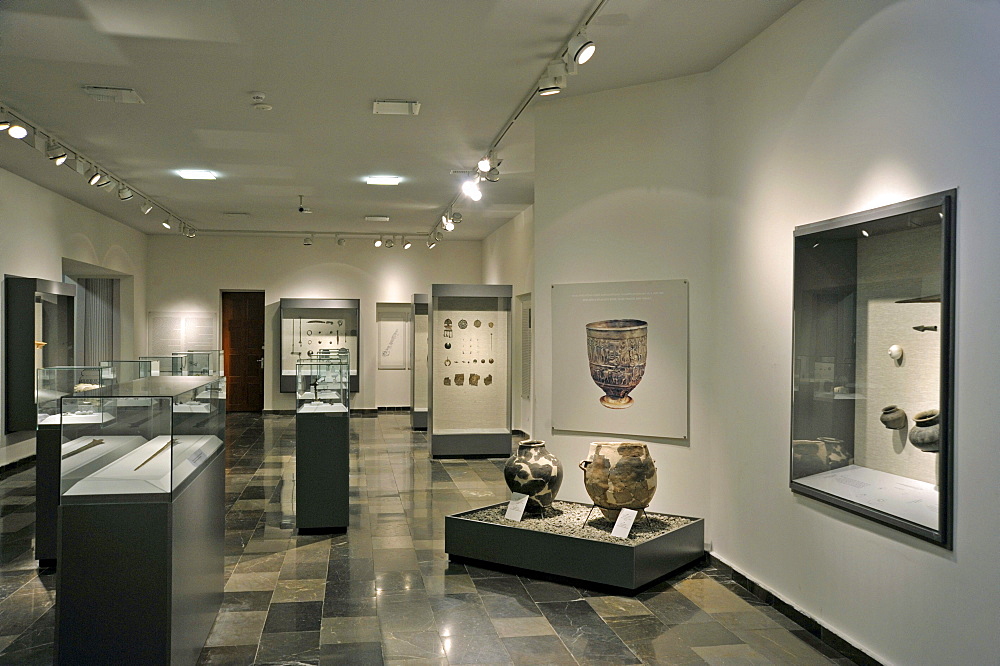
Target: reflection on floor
[386, 593]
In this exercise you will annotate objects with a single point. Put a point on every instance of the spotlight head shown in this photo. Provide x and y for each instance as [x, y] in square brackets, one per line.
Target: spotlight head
[125, 193]
[17, 131]
[56, 153]
[146, 207]
[484, 164]
[456, 218]
[166, 223]
[308, 240]
[4, 125]
[438, 236]
[93, 176]
[341, 242]
[407, 244]
[448, 225]
[104, 182]
[493, 175]
[389, 242]
[378, 242]
[554, 79]
[431, 243]
[581, 48]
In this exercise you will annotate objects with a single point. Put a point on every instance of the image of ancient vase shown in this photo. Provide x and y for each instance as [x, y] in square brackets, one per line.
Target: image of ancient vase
[535, 472]
[619, 475]
[616, 351]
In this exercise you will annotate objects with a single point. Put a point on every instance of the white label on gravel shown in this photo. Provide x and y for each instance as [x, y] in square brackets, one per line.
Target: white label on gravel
[624, 523]
[515, 509]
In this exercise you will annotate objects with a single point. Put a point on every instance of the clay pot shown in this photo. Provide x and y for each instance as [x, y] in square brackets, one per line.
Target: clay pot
[535, 472]
[619, 475]
[893, 417]
[616, 350]
[926, 431]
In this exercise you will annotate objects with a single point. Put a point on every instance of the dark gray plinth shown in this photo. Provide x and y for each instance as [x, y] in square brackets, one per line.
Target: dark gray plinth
[472, 445]
[48, 453]
[141, 582]
[322, 468]
[623, 566]
[418, 419]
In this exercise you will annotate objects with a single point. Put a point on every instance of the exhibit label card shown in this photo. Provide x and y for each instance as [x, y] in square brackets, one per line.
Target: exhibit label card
[623, 526]
[515, 509]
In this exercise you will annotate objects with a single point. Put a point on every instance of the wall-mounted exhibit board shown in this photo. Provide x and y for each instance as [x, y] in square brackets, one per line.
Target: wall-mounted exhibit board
[469, 378]
[317, 326]
[620, 358]
[38, 333]
[419, 362]
[872, 405]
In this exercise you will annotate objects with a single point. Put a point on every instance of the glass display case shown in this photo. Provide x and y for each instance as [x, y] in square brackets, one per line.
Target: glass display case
[469, 409]
[418, 361]
[317, 326]
[38, 333]
[174, 365]
[163, 429]
[205, 362]
[872, 401]
[322, 383]
[52, 384]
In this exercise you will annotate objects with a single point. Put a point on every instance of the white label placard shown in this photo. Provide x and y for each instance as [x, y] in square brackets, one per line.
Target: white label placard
[624, 523]
[196, 457]
[515, 509]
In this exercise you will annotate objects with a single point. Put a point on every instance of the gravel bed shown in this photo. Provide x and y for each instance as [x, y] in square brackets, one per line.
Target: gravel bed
[567, 518]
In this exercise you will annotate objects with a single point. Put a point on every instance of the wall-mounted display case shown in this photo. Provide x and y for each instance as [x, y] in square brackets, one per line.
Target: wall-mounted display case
[38, 333]
[469, 380]
[146, 492]
[419, 361]
[322, 443]
[317, 326]
[872, 401]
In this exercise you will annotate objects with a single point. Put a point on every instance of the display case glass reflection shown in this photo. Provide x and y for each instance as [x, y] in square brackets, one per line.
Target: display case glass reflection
[322, 384]
[317, 327]
[164, 429]
[872, 405]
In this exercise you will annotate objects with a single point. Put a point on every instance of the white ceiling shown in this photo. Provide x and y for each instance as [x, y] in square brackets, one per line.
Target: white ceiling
[322, 64]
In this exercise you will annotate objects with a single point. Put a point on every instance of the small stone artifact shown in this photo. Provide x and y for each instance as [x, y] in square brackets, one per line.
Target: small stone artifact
[619, 475]
[473, 379]
[893, 417]
[926, 431]
[616, 350]
[534, 472]
[488, 380]
[460, 379]
[447, 381]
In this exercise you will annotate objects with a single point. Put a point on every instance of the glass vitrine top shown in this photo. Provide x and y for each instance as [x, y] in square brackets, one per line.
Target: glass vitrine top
[323, 383]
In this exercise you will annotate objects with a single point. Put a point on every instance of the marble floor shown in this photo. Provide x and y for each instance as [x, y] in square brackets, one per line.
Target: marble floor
[385, 592]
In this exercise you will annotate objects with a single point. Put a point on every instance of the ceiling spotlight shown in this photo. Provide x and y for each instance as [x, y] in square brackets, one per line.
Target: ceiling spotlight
[378, 242]
[383, 180]
[431, 243]
[17, 131]
[389, 242]
[493, 175]
[341, 242]
[308, 240]
[56, 153]
[456, 218]
[448, 225]
[103, 182]
[864, 233]
[581, 48]
[487, 162]
[438, 236]
[407, 244]
[554, 79]
[146, 207]
[124, 193]
[4, 125]
[471, 188]
[93, 176]
[166, 223]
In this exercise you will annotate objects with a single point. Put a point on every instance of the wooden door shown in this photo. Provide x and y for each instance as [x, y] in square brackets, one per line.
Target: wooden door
[243, 346]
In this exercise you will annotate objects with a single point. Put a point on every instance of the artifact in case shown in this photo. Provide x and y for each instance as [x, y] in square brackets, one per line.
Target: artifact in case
[872, 401]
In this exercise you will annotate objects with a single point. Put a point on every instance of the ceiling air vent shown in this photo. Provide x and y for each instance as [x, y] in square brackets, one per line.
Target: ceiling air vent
[376, 218]
[117, 95]
[396, 107]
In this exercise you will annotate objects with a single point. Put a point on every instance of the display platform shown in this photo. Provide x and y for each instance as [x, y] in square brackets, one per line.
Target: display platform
[602, 560]
[419, 361]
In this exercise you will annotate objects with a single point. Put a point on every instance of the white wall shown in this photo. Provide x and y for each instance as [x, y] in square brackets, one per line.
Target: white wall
[509, 258]
[187, 274]
[38, 228]
[841, 107]
[634, 208]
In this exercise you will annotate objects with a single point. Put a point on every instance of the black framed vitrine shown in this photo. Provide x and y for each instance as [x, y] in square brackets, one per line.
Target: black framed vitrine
[873, 367]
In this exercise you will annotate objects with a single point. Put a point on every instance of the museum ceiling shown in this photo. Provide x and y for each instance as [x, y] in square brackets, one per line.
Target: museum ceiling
[321, 65]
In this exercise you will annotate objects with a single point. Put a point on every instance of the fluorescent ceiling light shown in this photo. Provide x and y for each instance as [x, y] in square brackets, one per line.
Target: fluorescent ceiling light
[383, 180]
[195, 174]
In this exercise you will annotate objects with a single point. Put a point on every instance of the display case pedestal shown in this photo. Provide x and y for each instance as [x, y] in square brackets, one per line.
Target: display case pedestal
[141, 582]
[48, 454]
[322, 469]
[621, 566]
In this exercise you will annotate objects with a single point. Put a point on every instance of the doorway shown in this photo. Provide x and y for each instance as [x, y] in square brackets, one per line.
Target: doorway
[243, 350]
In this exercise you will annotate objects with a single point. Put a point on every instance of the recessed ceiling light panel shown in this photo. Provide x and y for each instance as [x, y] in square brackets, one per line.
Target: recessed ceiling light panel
[383, 180]
[195, 174]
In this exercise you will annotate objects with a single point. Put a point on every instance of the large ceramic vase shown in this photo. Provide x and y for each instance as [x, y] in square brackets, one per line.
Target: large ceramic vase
[619, 475]
[616, 350]
[535, 472]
